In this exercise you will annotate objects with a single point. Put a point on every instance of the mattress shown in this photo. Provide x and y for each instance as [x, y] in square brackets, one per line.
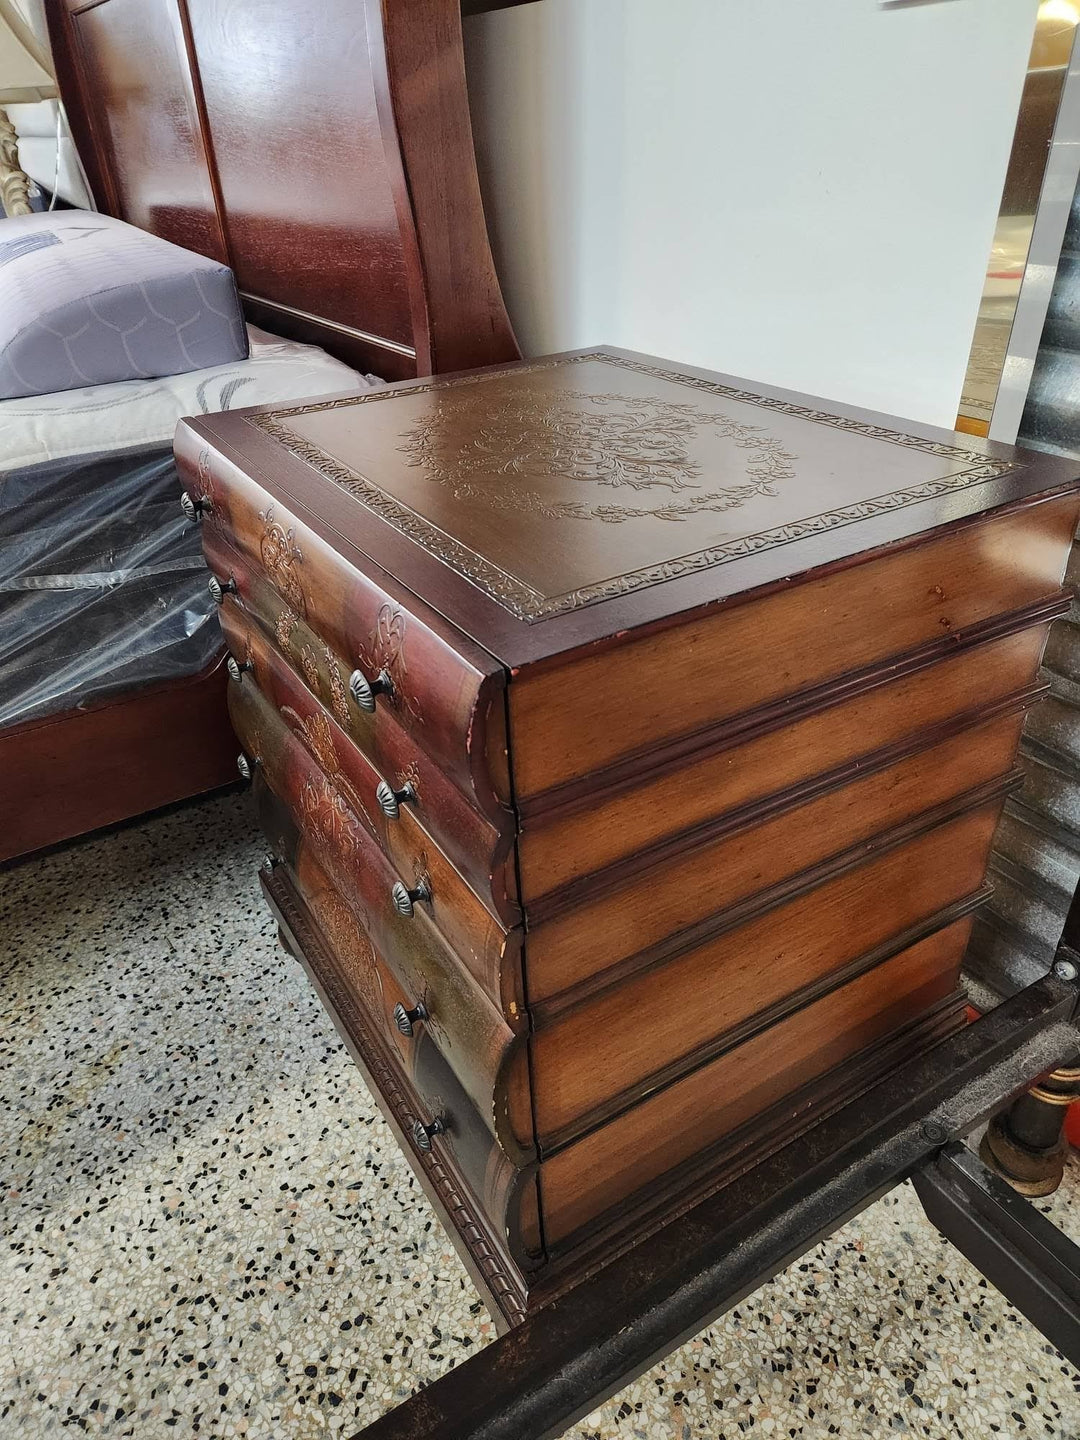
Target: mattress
[136, 414]
[102, 580]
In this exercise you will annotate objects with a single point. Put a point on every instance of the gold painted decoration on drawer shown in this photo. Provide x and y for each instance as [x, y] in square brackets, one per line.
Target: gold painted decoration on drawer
[339, 699]
[353, 949]
[310, 666]
[315, 732]
[327, 815]
[280, 557]
[385, 651]
[286, 623]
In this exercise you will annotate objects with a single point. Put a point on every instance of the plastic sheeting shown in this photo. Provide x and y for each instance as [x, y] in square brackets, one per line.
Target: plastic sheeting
[102, 582]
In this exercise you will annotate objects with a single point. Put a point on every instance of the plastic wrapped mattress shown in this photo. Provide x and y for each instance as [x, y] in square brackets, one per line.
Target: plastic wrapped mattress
[102, 581]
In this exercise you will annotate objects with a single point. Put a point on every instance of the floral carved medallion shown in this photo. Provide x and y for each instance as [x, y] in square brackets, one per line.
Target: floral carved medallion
[280, 557]
[471, 443]
[287, 622]
[315, 732]
[327, 817]
[695, 472]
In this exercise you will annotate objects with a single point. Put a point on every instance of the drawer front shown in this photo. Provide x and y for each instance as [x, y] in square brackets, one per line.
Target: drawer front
[489, 1202]
[329, 816]
[595, 830]
[602, 1054]
[432, 816]
[484, 1054]
[614, 918]
[446, 692]
[575, 719]
[615, 1163]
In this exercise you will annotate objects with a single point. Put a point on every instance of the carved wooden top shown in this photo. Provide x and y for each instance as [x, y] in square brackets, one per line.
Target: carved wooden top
[569, 483]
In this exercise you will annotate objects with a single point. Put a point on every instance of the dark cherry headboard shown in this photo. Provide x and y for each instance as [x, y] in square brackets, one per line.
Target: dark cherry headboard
[322, 148]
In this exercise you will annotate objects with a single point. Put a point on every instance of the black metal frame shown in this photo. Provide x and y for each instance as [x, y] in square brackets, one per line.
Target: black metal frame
[567, 1358]
[1031, 1262]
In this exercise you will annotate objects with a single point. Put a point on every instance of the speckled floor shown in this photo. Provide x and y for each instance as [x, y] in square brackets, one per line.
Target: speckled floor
[209, 1231]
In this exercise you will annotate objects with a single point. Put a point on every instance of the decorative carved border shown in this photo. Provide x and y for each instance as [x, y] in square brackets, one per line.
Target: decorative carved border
[506, 1290]
[529, 604]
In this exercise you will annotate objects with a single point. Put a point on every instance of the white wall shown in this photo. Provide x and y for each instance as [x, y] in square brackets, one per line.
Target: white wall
[802, 192]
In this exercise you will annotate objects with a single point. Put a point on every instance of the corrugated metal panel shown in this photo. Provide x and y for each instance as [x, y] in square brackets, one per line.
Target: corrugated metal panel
[1036, 860]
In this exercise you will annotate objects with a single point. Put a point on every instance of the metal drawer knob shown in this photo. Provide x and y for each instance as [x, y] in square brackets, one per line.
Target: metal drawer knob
[243, 764]
[406, 1019]
[391, 800]
[364, 691]
[236, 667]
[422, 1133]
[404, 899]
[220, 588]
[192, 506]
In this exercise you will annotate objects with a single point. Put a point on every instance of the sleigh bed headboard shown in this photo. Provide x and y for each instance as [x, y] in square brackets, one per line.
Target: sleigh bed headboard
[323, 150]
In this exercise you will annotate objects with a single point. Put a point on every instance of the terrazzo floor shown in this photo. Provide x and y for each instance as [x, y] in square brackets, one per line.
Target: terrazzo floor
[208, 1230]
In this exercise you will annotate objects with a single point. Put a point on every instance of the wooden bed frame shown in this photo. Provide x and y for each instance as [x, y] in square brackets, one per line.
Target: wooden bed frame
[325, 152]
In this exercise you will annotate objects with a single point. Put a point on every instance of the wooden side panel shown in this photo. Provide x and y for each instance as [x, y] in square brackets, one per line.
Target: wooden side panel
[629, 698]
[426, 88]
[614, 920]
[606, 1167]
[136, 76]
[595, 831]
[304, 181]
[70, 773]
[609, 1051]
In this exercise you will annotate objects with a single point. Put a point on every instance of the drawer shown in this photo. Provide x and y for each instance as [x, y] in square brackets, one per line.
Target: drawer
[575, 719]
[432, 816]
[723, 1107]
[588, 832]
[329, 815]
[485, 1055]
[594, 1054]
[446, 692]
[490, 1202]
[611, 917]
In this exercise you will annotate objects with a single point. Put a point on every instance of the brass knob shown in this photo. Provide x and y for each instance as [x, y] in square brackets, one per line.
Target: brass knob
[404, 900]
[243, 764]
[422, 1133]
[220, 588]
[406, 1019]
[364, 691]
[236, 667]
[192, 506]
[391, 800]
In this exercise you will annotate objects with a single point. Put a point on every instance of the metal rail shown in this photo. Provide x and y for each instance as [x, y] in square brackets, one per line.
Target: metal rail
[569, 1357]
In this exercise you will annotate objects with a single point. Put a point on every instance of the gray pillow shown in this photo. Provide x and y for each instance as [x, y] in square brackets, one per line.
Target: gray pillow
[87, 300]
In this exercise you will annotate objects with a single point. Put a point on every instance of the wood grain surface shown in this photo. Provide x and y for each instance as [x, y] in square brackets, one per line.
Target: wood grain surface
[595, 827]
[606, 1167]
[605, 1050]
[616, 917]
